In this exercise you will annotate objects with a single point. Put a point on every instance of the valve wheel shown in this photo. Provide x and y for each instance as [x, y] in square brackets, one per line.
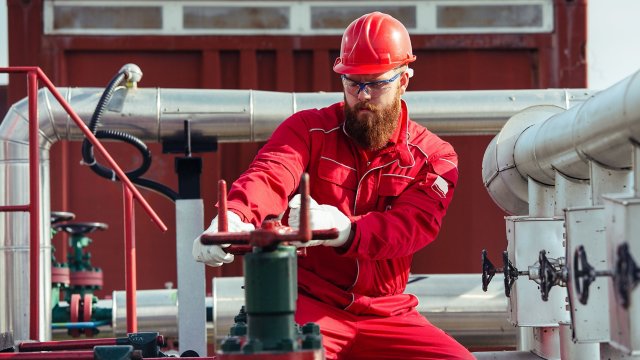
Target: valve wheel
[627, 275]
[58, 216]
[583, 274]
[510, 273]
[488, 270]
[80, 227]
[548, 275]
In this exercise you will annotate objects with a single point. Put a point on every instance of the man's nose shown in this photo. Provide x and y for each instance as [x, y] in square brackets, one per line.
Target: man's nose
[364, 94]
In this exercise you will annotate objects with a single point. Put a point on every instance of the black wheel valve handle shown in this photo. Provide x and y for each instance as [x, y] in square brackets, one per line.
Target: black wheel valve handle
[509, 271]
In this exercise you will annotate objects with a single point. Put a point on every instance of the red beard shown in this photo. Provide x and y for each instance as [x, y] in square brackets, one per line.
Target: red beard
[371, 130]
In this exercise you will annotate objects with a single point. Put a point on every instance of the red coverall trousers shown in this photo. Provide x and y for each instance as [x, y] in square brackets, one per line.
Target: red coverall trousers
[353, 337]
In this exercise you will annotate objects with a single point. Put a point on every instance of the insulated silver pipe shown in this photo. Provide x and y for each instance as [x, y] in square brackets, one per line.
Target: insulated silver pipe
[540, 141]
[453, 302]
[158, 115]
[14, 247]
[157, 310]
[247, 115]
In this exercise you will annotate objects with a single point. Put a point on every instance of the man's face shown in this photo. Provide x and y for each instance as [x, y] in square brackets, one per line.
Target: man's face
[371, 116]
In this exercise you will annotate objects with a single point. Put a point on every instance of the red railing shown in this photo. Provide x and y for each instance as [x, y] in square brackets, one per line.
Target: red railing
[130, 192]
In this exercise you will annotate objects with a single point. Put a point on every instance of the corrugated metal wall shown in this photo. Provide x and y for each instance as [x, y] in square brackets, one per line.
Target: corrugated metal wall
[280, 63]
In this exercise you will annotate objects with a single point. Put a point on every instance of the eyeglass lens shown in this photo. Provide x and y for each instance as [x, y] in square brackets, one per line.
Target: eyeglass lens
[372, 88]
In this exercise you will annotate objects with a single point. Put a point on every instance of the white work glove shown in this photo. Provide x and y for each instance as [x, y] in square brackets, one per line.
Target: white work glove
[213, 255]
[321, 217]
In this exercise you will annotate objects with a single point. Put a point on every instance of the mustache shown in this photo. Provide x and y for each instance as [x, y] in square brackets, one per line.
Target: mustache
[365, 106]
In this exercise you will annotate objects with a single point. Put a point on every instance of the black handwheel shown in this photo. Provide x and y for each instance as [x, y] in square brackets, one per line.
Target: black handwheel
[583, 274]
[510, 273]
[548, 276]
[58, 216]
[627, 274]
[488, 270]
[80, 228]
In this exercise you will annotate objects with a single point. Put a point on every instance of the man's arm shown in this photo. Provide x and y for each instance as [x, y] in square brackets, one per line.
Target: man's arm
[414, 219]
[274, 174]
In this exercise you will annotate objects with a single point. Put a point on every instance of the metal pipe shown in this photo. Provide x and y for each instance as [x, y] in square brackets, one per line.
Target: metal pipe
[542, 141]
[228, 115]
[157, 310]
[248, 115]
[80, 324]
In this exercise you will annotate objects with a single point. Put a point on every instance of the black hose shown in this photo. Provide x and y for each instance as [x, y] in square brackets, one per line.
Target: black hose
[157, 187]
[87, 147]
[108, 173]
[105, 172]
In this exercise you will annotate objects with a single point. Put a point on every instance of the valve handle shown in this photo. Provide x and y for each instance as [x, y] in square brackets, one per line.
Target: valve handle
[549, 277]
[80, 228]
[272, 232]
[59, 216]
[510, 272]
[223, 221]
[627, 274]
[583, 274]
[488, 270]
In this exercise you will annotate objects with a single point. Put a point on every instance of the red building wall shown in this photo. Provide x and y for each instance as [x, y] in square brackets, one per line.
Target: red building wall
[279, 63]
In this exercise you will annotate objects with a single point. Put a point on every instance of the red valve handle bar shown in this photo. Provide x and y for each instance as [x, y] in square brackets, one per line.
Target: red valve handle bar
[271, 232]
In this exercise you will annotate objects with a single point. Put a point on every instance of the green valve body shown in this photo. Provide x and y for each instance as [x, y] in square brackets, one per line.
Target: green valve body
[270, 293]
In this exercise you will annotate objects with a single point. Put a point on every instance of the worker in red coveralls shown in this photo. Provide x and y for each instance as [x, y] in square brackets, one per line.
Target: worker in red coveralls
[381, 179]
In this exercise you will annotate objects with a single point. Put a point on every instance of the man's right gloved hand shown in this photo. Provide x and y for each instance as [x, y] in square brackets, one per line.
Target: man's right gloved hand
[214, 255]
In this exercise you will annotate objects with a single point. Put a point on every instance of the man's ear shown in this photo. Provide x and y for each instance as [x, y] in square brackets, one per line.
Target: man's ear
[404, 82]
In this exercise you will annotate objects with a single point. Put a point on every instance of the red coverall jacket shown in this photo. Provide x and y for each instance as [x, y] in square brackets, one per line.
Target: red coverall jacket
[396, 200]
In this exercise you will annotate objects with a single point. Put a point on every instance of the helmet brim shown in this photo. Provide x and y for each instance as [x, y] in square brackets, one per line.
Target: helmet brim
[360, 69]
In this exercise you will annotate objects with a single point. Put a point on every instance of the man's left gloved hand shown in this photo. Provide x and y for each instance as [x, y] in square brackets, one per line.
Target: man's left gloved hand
[321, 217]
[214, 255]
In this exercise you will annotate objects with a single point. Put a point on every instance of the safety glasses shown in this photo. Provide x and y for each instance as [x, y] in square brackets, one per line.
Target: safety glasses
[372, 88]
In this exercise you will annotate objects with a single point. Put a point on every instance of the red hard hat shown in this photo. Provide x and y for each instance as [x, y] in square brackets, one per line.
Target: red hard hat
[373, 44]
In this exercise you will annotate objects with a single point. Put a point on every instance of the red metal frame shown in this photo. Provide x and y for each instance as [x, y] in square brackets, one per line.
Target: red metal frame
[33, 75]
[34, 205]
[81, 344]
[85, 355]
[130, 261]
[66, 345]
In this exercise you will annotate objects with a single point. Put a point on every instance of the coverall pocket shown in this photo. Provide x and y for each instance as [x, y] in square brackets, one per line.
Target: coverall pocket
[337, 173]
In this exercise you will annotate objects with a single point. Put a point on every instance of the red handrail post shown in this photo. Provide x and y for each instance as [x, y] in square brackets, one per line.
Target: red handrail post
[34, 207]
[130, 260]
[130, 192]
